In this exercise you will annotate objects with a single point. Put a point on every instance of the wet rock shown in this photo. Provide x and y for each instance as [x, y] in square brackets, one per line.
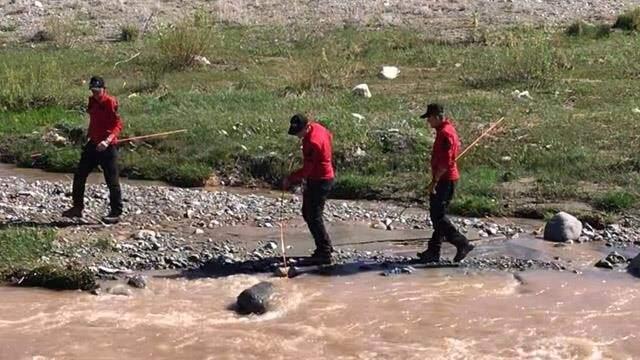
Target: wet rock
[137, 281]
[604, 264]
[399, 270]
[119, 289]
[256, 299]
[562, 227]
[634, 266]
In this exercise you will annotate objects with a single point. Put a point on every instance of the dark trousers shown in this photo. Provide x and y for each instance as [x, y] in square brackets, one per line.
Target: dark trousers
[107, 160]
[313, 200]
[443, 228]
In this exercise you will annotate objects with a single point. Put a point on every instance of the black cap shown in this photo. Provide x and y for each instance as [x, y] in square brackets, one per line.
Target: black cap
[297, 123]
[433, 109]
[96, 82]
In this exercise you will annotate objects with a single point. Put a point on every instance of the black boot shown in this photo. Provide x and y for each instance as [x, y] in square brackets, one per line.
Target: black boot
[322, 257]
[113, 217]
[432, 254]
[463, 247]
[73, 212]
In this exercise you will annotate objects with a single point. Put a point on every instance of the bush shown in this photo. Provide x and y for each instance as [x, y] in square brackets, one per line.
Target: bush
[583, 29]
[181, 43]
[615, 201]
[474, 206]
[629, 20]
[350, 186]
[129, 32]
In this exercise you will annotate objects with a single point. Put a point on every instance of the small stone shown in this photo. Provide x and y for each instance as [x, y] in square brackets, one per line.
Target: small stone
[38, 4]
[137, 281]
[358, 116]
[201, 60]
[256, 299]
[145, 235]
[198, 232]
[389, 72]
[362, 90]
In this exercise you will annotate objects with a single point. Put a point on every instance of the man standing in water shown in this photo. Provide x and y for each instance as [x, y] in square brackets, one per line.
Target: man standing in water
[318, 174]
[101, 149]
[444, 172]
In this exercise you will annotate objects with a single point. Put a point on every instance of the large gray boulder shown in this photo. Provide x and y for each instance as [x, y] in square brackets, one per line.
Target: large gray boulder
[562, 227]
[256, 299]
[634, 266]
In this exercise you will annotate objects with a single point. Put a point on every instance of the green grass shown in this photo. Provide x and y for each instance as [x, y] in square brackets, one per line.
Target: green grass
[572, 138]
[584, 29]
[615, 201]
[20, 247]
[23, 263]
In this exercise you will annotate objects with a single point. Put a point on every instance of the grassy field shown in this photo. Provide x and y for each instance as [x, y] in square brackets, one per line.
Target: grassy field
[576, 139]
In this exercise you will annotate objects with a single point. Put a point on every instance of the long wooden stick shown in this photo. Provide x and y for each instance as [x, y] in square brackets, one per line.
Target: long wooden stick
[142, 137]
[134, 138]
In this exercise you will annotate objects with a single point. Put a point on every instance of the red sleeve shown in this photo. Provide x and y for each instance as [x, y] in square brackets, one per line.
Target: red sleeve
[115, 127]
[309, 153]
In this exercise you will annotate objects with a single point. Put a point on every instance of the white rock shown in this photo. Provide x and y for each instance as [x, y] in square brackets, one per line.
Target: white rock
[636, 111]
[145, 235]
[38, 4]
[506, 158]
[198, 232]
[389, 72]
[524, 95]
[362, 90]
[562, 227]
[201, 60]
[379, 225]
[357, 116]
[359, 152]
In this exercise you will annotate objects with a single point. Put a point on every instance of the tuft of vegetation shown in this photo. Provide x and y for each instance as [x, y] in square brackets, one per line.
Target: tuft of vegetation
[23, 246]
[615, 201]
[629, 20]
[182, 43]
[129, 32]
[581, 28]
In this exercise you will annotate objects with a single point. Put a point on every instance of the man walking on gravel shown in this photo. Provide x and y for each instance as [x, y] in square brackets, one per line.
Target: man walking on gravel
[318, 174]
[101, 149]
[444, 172]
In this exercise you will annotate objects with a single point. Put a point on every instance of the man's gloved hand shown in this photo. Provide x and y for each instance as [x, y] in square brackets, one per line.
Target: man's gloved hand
[102, 146]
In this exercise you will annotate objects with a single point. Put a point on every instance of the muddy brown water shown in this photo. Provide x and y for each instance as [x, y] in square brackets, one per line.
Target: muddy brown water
[430, 314]
[434, 314]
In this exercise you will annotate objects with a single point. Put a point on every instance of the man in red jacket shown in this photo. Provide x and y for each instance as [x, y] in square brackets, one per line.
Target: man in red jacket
[444, 172]
[101, 149]
[318, 173]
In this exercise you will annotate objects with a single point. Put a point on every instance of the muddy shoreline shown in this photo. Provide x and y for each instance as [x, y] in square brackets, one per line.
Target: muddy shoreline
[219, 233]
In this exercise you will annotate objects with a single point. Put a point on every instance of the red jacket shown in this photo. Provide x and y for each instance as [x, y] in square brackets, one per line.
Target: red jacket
[317, 150]
[103, 118]
[446, 148]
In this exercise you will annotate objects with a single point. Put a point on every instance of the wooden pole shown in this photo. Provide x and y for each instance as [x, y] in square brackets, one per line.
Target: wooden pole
[134, 138]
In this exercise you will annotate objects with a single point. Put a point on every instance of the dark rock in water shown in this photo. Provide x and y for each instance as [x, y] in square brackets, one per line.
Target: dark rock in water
[604, 264]
[611, 261]
[616, 258]
[137, 281]
[256, 299]
[562, 227]
[634, 266]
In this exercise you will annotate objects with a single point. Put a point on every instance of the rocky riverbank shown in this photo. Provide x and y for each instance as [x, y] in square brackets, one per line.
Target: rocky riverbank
[21, 19]
[223, 232]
